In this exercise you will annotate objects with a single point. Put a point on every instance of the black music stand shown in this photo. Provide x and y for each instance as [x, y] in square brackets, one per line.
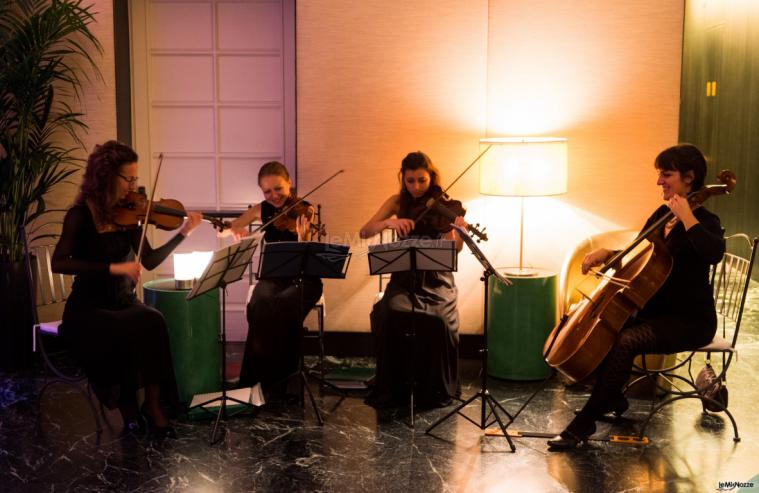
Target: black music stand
[226, 266]
[413, 255]
[483, 393]
[298, 260]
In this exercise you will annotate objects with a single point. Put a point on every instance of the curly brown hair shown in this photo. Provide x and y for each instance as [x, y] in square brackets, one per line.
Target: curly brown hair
[102, 170]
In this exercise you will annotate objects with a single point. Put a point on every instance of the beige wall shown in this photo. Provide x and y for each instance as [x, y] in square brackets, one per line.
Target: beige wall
[98, 102]
[377, 79]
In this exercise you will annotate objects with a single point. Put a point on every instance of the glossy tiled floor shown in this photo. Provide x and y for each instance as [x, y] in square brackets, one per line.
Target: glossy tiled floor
[282, 448]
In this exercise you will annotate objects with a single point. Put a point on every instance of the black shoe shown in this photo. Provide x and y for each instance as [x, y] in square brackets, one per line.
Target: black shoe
[567, 440]
[157, 432]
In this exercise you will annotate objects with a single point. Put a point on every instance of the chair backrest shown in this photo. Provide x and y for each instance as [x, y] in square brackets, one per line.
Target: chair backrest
[732, 277]
[50, 287]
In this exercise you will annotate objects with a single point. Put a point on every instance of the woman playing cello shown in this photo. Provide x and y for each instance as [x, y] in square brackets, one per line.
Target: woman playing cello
[437, 321]
[121, 343]
[275, 312]
[681, 315]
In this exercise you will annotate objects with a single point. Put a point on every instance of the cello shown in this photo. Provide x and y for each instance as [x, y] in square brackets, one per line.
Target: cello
[585, 335]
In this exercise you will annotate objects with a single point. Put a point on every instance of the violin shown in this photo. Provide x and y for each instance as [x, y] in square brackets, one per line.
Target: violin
[166, 214]
[442, 212]
[289, 220]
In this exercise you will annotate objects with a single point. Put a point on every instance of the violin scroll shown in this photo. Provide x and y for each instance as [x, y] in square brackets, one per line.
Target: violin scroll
[450, 209]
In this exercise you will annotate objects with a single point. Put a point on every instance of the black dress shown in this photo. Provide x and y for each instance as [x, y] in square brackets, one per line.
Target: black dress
[275, 319]
[431, 358]
[682, 310]
[121, 343]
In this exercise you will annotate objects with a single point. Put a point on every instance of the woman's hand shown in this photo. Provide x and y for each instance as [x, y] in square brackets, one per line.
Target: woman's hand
[236, 232]
[402, 227]
[594, 258]
[681, 209]
[128, 269]
[303, 228]
[460, 222]
[192, 222]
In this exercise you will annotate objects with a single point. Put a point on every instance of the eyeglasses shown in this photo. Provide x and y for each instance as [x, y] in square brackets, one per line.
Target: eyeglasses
[129, 179]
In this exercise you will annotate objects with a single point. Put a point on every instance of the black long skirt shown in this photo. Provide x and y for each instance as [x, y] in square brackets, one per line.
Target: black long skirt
[275, 322]
[121, 350]
[423, 353]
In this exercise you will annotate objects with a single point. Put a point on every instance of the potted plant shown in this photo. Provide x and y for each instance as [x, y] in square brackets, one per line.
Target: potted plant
[45, 47]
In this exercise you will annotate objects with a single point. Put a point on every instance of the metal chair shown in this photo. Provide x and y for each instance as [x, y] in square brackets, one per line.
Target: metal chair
[53, 289]
[730, 283]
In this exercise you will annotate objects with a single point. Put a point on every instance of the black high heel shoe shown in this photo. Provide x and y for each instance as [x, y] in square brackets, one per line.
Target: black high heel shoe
[158, 432]
[567, 440]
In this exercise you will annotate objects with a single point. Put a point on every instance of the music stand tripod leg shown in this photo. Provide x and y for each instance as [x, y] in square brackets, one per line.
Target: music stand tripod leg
[483, 393]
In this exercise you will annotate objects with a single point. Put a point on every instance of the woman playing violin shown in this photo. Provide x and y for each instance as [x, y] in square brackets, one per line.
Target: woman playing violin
[437, 322]
[121, 343]
[681, 315]
[275, 311]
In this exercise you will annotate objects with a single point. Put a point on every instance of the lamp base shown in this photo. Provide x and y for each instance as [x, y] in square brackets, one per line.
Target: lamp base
[181, 284]
[520, 272]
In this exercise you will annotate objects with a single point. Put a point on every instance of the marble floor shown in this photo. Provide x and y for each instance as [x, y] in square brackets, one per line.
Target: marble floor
[282, 447]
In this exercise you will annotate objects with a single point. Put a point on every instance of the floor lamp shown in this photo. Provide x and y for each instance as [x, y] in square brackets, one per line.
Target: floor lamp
[524, 167]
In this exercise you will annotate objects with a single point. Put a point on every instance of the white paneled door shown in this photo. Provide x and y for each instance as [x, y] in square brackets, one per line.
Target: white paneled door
[213, 87]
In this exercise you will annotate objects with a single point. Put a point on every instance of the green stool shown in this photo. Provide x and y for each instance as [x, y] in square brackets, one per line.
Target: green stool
[193, 334]
[520, 317]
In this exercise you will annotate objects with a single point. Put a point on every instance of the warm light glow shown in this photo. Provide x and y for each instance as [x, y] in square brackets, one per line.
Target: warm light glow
[524, 166]
[189, 266]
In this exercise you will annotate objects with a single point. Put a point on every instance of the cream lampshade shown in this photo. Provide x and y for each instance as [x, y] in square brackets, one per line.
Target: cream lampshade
[188, 267]
[524, 167]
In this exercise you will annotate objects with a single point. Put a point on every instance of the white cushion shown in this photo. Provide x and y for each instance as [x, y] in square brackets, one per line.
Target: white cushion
[718, 344]
[378, 297]
[49, 328]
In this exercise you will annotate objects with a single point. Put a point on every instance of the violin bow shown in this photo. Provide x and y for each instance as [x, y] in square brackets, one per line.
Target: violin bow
[148, 210]
[288, 208]
[431, 203]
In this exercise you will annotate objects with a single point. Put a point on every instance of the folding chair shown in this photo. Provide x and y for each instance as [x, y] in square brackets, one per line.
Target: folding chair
[52, 289]
[730, 283]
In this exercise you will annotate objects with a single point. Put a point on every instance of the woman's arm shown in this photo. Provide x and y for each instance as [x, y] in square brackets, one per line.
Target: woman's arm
[706, 238]
[239, 227]
[63, 260]
[152, 258]
[383, 219]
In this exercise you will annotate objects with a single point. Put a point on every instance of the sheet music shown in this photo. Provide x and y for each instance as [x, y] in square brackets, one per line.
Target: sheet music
[227, 264]
[479, 255]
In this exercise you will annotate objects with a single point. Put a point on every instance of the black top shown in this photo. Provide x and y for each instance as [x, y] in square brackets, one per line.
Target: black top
[684, 307]
[85, 253]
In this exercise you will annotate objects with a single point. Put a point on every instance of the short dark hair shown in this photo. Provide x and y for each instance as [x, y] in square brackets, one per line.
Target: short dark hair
[684, 158]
